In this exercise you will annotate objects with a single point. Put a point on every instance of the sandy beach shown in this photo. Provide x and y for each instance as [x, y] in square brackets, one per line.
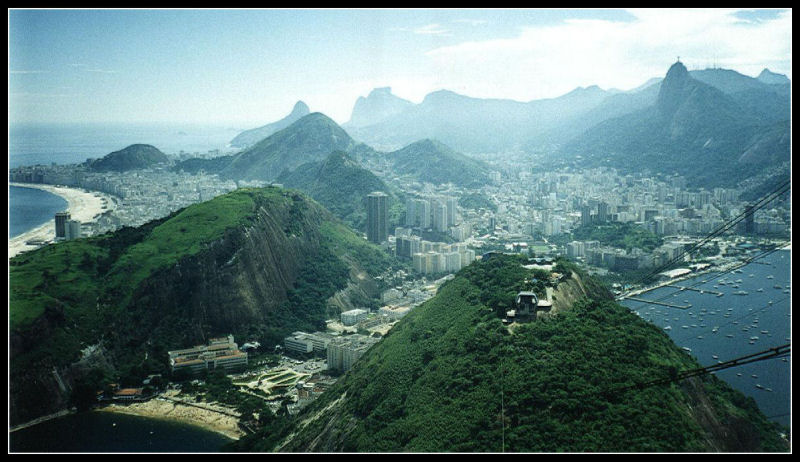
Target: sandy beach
[82, 205]
[200, 414]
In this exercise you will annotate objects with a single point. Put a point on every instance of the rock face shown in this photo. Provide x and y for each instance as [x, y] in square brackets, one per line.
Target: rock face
[253, 136]
[284, 262]
[695, 129]
[133, 157]
[380, 105]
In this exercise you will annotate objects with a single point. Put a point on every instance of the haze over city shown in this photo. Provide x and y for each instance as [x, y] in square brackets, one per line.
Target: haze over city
[249, 67]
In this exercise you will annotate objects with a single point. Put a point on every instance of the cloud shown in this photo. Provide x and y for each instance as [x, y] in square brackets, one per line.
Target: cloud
[550, 60]
[471, 22]
[432, 29]
[428, 29]
[101, 71]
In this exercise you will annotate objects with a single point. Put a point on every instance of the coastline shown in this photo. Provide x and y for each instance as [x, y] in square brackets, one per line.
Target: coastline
[82, 205]
[207, 416]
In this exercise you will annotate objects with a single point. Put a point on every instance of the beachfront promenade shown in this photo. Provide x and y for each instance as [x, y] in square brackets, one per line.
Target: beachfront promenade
[83, 206]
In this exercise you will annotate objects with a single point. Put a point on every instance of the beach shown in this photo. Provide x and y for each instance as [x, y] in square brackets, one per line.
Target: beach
[82, 205]
[208, 416]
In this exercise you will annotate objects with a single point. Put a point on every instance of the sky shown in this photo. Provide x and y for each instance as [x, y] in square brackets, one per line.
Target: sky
[246, 68]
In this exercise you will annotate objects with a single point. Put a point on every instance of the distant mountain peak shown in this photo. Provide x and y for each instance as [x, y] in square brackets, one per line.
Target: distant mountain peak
[769, 77]
[670, 94]
[300, 108]
[253, 136]
[378, 106]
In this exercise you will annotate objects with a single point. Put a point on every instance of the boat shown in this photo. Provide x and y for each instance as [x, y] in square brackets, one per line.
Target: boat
[687, 349]
[729, 335]
[699, 337]
[754, 376]
[759, 386]
[740, 292]
[668, 328]
[770, 276]
[715, 356]
[760, 289]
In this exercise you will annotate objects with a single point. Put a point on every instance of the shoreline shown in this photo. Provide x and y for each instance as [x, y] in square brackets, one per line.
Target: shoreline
[203, 415]
[83, 206]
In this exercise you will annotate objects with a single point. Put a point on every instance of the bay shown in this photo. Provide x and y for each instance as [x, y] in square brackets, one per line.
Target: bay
[97, 431]
[29, 208]
[752, 316]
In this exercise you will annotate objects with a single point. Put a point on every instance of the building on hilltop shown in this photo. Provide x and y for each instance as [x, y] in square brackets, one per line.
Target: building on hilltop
[219, 353]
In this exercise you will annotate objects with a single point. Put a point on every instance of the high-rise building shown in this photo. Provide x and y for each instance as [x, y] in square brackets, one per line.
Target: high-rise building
[439, 217]
[61, 224]
[411, 212]
[377, 217]
[72, 229]
[749, 222]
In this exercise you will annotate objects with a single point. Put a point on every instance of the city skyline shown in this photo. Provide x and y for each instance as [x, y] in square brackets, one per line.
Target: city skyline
[250, 67]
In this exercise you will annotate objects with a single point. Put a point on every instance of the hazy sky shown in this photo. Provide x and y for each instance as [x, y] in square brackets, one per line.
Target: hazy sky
[248, 68]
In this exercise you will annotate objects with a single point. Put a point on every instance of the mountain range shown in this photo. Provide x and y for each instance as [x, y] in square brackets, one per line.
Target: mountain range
[694, 129]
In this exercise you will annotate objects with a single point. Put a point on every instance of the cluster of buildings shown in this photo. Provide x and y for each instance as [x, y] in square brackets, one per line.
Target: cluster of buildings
[341, 351]
[431, 257]
[66, 228]
[220, 353]
[139, 196]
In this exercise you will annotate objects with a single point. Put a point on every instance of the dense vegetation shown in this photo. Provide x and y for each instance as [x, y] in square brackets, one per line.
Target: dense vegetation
[433, 162]
[67, 296]
[626, 236]
[477, 201]
[451, 377]
[338, 183]
[133, 157]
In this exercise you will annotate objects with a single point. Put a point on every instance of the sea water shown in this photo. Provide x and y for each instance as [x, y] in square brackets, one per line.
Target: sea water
[110, 432]
[718, 329]
[29, 208]
[45, 144]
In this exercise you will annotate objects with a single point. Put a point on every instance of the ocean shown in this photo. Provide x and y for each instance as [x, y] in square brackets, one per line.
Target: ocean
[111, 432]
[45, 144]
[718, 329]
[29, 208]
[32, 144]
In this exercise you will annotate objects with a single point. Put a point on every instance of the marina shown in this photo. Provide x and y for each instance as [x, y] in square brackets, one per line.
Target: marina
[718, 329]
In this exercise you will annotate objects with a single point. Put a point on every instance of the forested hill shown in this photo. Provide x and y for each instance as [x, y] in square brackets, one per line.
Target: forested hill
[339, 183]
[451, 377]
[132, 157]
[257, 263]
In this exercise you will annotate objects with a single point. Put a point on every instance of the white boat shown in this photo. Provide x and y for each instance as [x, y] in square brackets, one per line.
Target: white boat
[668, 328]
[687, 349]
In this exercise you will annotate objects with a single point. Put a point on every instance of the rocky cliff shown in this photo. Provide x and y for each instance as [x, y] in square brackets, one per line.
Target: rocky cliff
[278, 263]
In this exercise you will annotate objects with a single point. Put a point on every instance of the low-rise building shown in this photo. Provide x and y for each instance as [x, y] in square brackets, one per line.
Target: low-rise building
[352, 317]
[219, 353]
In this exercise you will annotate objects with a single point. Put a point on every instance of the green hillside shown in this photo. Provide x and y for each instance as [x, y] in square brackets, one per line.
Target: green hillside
[133, 157]
[450, 377]
[433, 162]
[259, 263]
[339, 183]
